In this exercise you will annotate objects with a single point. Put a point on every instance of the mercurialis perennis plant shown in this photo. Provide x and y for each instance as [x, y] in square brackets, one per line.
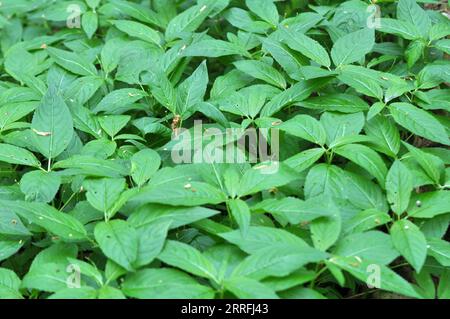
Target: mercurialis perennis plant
[224, 149]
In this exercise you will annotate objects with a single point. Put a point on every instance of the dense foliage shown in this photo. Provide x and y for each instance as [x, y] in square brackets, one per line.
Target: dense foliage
[351, 97]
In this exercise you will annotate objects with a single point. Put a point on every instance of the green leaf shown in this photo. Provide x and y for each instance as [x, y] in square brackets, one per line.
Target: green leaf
[241, 214]
[398, 187]
[435, 227]
[306, 127]
[340, 102]
[193, 89]
[296, 93]
[259, 238]
[410, 11]
[15, 58]
[325, 231]
[372, 245]
[113, 124]
[277, 261]
[414, 52]
[9, 284]
[262, 71]
[246, 288]
[52, 125]
[330, 180]
[282, 55]
[118, 241]
[93, 3]
[255, 179]
[429, 204]
[419, 122]
[9, 247]
[440, 250]
[385, 135]
[164, 283]
[103, 193]
[15, 111]
[265, 9]
[101, 148]
[389, 280]
[151, 241]
[113, 271]
[189, 20]
[301, 293]
[40, 186]
[244, 20]
[89, 165]
[365, 220]
[410, 242]
[56, 222]
[180, 193]
[87, 269]
[366, 158]
[72, 62]
[403, 29]
[439, 30]
[79, 293]
[89, 22]
[138, 30]
[339, 125]
[352, 47]
[305, 159]
[57, 253]
[177, 216]
[305, 45]
[187, 258]
[443, 45]
[16, 155]
[108, 292]
[295, 210]
[162, 89]
[375, 109]
[117, 99]
[111, 54]
[432, 165]
[433, 74]
[297, 278]
[444, 285]
[214, 49]
[361, 80]
[48, 277]
[136, 11]
[10, 224]
[143, 165]
[82, 89]
[425, 284]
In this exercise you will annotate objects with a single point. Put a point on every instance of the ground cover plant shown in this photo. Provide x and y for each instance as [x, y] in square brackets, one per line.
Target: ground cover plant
[115, 176]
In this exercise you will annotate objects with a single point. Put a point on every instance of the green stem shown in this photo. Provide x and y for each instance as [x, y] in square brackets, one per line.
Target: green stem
[318, 273]
[49, 165]
[68, 201]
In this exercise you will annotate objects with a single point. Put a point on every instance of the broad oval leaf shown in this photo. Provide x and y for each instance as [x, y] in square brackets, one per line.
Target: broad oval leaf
[16, 155]
[56, 222]
[352, 47]
[366, 158]
[410, 242]
[398, 187]
[419, 122]
[72, 62]
[306, 127]
[52, 125]
[164, 283]
[118, 241]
